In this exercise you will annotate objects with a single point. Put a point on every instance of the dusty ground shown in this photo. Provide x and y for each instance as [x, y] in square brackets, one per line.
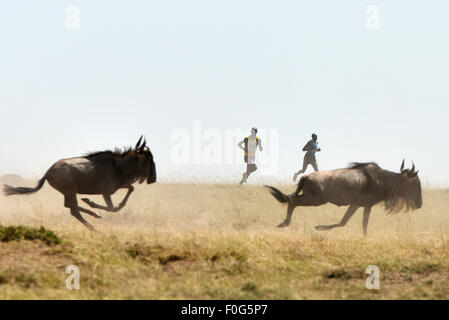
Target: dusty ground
[176, 241]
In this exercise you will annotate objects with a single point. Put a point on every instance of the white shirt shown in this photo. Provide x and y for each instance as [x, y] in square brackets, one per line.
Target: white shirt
[252, 150]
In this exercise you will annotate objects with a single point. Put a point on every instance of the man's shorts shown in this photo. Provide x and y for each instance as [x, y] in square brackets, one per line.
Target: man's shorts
[310, 159]
[251, 167]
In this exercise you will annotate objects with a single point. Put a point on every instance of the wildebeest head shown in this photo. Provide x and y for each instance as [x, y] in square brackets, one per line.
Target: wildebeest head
[146, 167]
[411, 187]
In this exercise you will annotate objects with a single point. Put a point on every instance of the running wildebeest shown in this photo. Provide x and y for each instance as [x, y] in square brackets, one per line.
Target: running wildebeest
[101, 172]
[359, 185]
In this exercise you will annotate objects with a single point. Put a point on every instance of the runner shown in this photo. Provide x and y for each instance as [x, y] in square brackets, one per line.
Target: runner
[311, 148]
[249, 145]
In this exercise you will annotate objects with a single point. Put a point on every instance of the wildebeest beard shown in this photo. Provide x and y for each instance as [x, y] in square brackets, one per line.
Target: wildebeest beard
[397, 204]
[130, 171]
[393, 184]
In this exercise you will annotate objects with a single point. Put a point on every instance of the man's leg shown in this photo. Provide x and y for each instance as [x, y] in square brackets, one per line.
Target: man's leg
[314, 165]
[305, 164]
[249, 169]
[244, 177]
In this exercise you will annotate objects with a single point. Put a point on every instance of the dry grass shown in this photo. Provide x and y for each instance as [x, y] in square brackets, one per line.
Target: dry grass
[176, 241]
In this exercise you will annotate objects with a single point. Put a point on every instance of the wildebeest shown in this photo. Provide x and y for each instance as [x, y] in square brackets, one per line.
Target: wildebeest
[101, 172]
[359, 185]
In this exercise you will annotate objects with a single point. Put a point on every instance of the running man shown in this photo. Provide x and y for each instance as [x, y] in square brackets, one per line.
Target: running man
[249, 145]
[311, 148]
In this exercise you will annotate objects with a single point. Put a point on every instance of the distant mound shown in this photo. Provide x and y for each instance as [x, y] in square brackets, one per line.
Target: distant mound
[14, 179]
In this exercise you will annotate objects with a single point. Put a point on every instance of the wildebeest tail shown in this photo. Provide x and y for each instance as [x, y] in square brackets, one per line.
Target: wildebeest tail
[281, 197]
[8, 190]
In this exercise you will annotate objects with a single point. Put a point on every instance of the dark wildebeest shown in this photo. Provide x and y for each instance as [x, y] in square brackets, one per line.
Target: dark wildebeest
[101, 172]
[360, 185]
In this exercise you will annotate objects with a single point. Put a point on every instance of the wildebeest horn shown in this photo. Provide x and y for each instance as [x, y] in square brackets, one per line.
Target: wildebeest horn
[144, 144]
[413, 167]
[402, 165]
[138, 142]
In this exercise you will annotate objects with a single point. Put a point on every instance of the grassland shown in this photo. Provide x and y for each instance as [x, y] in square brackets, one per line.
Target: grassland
[181, 241]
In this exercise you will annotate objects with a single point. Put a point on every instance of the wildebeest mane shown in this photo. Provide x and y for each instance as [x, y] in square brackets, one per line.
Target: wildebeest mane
[361, 165]
[117, 152]
[372, 172]
[126, 172]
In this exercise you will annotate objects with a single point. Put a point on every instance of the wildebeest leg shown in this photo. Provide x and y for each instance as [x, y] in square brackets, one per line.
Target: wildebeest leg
[351, 210]
[366, 213]
[301, 200]
[108, 200]
[288, 219]
[71, 203]
[75, 212]
[89, 212]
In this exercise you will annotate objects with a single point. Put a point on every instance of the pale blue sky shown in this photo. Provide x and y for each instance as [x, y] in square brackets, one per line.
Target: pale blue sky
[294, 66]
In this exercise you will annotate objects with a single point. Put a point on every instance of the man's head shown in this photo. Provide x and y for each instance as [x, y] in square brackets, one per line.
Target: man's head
[314, 137]
[254, 130]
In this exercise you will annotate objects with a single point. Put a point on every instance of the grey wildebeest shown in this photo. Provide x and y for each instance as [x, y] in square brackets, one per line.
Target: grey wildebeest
[359, 185]
[102, 173]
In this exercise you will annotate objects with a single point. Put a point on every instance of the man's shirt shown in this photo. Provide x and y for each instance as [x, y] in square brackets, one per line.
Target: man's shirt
[252, 145]
[311, 148]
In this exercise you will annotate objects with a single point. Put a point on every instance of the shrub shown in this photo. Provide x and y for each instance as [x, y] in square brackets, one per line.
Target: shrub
[18, 233]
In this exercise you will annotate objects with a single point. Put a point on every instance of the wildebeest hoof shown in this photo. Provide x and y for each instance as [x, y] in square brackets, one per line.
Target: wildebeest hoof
[86, 200]
[321, 228]
[283, 225]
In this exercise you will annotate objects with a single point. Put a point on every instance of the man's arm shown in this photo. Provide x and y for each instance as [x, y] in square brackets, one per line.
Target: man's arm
[240, 145]
[260, 145]
[307, 147]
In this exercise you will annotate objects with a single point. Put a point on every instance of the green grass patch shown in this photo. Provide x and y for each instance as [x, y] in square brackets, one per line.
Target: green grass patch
[18, 233]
